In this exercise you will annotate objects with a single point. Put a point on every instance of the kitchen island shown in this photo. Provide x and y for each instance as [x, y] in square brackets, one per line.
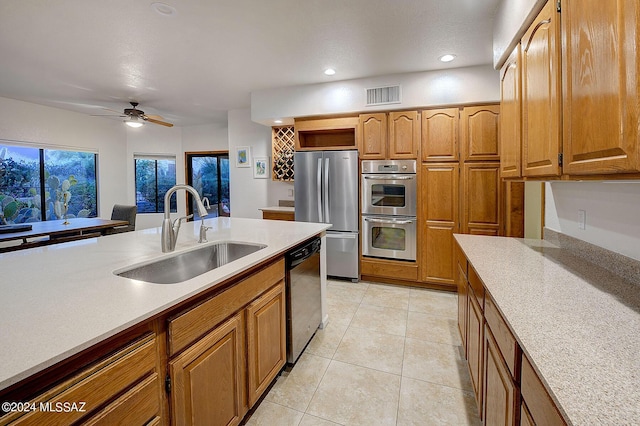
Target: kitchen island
[60, 301]
[575, 323]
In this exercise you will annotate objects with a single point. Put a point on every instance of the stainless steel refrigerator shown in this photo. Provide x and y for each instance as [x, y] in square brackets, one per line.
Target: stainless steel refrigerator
[326, 191]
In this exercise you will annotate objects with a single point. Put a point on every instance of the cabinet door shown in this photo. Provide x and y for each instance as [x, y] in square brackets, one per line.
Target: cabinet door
[439, 194]
[541, 91]
[600, 86]
[208, 378]
[510, 130]
[404, 134]
[266, 340]
[500, 394]
[373, 136]
[440, 134]
[475, 331]
[463, 306]
[481, 199]
[479, 133]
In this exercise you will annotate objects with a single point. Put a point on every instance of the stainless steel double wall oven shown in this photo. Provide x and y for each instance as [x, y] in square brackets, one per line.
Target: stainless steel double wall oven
[389, 198]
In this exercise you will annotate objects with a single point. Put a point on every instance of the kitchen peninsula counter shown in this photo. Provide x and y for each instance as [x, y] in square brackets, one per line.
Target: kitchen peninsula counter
[59, 300]
[576, 322]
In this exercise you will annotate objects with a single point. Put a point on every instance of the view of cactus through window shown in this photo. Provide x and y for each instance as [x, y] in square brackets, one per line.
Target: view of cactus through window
[42, 184]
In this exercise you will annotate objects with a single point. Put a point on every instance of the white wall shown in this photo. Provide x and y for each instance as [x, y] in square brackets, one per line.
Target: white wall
[249, 194]
[53, 127]
[430, 88]
[612, 213]
[207, 137]
[511, 20]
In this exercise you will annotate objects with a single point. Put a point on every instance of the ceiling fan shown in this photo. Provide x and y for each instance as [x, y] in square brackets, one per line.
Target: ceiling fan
[136, 118]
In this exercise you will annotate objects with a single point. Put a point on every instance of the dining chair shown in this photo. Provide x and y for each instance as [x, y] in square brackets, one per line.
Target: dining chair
[123, 212]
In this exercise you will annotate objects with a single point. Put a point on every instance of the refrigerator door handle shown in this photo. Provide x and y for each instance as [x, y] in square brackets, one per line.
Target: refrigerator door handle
[319, 189]
[327, 218]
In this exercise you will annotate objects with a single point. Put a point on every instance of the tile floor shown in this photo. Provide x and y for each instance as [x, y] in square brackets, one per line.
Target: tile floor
[388, 356]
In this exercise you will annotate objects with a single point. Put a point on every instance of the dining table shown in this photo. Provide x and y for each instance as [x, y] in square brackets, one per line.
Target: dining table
[54, 231]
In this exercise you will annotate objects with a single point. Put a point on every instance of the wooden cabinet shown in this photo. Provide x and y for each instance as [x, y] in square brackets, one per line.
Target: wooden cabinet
[266, 340]
[510, 129]
[217, 378]
[279, 215]
[541, 95]
[600, 86]
[500, 393]
[475, 339]
[126, 380]
[539, 405]
[395, 135]
[439, 194]
[463, 297]
[479, 133]
[404, 134]
[373, 139]
[207, 379]
[440, 135]
[481, 199]
[313, 134]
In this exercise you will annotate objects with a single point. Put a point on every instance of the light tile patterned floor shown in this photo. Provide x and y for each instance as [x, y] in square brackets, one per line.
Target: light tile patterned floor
[389, 356]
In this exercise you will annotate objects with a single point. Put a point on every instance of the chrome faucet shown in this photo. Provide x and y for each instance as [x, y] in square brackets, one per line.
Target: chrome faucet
[170, 230]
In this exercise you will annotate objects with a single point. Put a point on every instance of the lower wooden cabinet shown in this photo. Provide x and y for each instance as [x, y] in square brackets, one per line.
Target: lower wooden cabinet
[536, 399]
[207, 379]
[266, 340]
[127, 381]
[475, 339]
[500, 392]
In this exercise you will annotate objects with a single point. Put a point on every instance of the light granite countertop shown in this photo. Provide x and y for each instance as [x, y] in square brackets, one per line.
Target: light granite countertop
[578, 323]
[61, 299]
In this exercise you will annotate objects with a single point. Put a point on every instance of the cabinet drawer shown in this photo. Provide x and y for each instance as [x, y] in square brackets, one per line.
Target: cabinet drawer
[389, 269]
[189, 326]
[94, 385]
[138, 406]
[476, 286]
[542, 409]
[503, 337]
[461, 259]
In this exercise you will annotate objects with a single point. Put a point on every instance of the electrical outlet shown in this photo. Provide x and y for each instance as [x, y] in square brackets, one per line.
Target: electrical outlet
[582, 219]
[290, 192]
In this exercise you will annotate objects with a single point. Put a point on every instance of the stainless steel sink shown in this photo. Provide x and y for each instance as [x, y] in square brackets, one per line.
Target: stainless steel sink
[190, 264]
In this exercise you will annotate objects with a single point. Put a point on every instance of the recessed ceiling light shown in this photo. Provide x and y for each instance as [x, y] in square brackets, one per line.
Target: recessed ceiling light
[447, 58]
[330, 71]
[163, 9]
[277, 121]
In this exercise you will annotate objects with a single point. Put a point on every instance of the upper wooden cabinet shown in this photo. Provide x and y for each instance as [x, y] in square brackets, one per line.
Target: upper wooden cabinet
[479, 133]
[600, 86]
[510, 130]
[395, 135]
[373, 136]
[313, 134]
[541, 96]
[440, 134]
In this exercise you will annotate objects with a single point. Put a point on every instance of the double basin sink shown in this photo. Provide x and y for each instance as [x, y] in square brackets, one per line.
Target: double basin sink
[186, 265]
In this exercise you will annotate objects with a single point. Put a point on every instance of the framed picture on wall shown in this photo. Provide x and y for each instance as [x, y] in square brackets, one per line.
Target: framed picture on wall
[243, 153]
[260, 167]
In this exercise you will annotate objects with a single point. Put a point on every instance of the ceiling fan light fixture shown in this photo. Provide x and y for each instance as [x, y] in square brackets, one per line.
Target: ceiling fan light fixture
[134, 122]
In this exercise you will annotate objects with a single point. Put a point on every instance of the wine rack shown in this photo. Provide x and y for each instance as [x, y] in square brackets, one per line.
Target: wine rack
[282, 149]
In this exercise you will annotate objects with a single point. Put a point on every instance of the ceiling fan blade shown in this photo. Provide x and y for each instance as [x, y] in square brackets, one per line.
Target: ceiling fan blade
[112, 110]
[155, 117]
[108, 115]
[152, 120]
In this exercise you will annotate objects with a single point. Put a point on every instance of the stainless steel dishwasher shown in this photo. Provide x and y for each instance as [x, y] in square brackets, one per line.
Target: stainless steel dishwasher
[304, 313]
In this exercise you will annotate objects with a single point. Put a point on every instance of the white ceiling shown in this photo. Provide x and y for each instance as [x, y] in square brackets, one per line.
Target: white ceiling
[190, 68]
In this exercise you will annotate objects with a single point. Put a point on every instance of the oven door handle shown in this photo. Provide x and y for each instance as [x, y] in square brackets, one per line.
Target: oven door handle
[389, 221]
[389, 177]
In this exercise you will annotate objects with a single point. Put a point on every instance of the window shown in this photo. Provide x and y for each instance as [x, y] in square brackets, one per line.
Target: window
[155, 175]
[208, 173]
[36, 182]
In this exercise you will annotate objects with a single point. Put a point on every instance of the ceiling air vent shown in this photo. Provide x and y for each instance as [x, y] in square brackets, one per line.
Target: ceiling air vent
[383, 95]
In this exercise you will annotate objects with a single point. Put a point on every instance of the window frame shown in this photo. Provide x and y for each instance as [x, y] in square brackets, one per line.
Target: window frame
[158, 199]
